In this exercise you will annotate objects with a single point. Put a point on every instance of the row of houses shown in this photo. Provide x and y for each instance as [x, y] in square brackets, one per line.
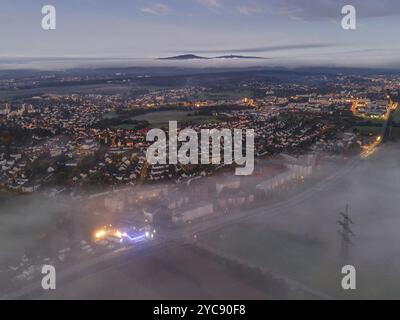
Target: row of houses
[202, 196]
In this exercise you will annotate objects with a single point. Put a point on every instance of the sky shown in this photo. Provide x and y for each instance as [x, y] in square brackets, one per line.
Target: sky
[289, 32]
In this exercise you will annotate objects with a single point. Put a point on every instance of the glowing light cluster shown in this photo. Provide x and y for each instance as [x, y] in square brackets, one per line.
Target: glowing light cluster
[112, 232]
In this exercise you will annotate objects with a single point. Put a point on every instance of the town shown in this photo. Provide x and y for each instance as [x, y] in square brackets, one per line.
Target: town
[91, 149]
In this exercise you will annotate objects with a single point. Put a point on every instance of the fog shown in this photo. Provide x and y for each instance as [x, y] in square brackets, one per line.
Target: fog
[23, 220]
[272, 60]
[299, 241]
[303, 242]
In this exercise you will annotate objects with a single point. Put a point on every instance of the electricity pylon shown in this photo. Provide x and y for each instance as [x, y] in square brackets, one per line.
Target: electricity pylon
[345, 231]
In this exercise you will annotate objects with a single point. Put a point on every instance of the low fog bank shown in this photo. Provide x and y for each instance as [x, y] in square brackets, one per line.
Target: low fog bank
[279, 61]
[24, 220]
[56, 64]
[35, 228]
[303, 242]
[299, 241]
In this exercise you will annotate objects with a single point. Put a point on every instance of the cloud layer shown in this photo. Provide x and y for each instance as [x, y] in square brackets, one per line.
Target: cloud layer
[157, 9]
[285, 30]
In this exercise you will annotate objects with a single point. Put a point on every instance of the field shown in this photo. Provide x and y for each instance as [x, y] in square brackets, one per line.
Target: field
[373, 127]
[160, 119]
[226, 94]
[396, 116]
[373, 131]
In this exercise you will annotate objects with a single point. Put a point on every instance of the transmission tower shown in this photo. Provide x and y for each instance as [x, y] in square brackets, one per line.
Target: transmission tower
[345, 231]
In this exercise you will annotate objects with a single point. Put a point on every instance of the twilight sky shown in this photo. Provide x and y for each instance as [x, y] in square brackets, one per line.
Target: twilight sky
[290, 32]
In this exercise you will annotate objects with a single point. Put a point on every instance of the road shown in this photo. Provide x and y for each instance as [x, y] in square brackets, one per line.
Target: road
[123, 255]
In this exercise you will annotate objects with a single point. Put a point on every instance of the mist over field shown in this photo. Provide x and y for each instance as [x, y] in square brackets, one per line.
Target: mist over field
[269, 61]
[299, 242]
[24, 221]
[303, 242]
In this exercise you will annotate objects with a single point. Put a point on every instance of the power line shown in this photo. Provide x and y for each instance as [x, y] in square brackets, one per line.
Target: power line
[345, 231]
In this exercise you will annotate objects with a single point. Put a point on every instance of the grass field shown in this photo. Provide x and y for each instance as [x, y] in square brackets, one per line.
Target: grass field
[373, 131]
[375, 126]
[227, 94]
[396, 116]
[160, 119]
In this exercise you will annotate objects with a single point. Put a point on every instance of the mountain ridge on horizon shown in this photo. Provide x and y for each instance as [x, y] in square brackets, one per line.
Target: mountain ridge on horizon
[197, 57]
